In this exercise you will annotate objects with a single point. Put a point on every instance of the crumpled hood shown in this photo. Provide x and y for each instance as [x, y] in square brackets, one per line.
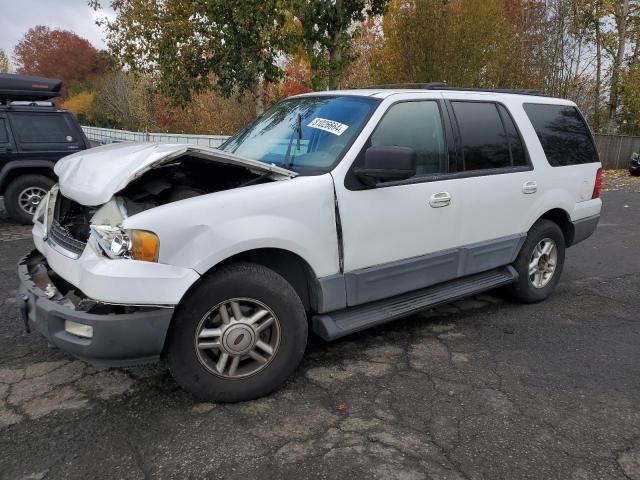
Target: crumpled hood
[93, 176]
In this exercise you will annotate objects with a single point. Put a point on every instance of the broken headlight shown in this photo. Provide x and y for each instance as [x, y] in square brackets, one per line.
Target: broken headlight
[119, 243]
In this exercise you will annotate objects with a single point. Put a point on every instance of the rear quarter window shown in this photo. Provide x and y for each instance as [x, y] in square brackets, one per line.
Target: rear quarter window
[43, 128]
[563, 133]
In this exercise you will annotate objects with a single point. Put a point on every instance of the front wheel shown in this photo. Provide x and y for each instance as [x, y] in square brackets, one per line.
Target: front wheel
[239, 335]
[539, 263]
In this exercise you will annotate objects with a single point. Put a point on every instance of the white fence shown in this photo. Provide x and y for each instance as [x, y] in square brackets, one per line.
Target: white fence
[109, 135]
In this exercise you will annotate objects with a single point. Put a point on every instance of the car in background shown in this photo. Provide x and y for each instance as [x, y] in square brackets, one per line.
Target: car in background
[34, 135]
[634, 164]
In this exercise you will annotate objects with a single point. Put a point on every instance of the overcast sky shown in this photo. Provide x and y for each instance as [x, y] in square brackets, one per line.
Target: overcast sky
[18, 16]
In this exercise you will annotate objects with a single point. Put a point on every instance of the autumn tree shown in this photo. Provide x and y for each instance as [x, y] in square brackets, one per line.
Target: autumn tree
[466, 43]
[4, 62]
[59, 54]
[120, 101]
[195, 45]
[625, 15]
[367, 38]
[326, 34]
[80, 104]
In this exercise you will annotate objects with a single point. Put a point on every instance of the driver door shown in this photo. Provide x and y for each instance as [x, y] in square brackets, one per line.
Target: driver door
[401, 236]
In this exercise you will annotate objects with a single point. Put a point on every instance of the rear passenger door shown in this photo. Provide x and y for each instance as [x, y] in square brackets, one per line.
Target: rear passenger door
[498, 180]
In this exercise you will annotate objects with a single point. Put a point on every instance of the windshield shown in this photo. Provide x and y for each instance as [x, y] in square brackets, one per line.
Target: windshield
[306, 134]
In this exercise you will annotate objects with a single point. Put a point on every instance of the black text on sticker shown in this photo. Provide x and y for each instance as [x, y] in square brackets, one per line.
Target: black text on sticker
[330, 126]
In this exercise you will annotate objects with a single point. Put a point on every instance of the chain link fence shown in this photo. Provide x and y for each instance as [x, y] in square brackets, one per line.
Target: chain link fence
[103, 136]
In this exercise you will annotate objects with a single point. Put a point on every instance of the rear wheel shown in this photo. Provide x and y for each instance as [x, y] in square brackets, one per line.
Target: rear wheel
[24, 194]
[239, 335]
[539, 263]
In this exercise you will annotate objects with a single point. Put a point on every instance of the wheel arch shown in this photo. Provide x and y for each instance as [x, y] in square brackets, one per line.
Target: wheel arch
[19, 168]
[561, 218]
[291, 266]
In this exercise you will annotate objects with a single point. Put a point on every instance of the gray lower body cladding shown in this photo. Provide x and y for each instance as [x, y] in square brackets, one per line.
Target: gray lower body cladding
[333, 325]
[370, 284]
[584, 228]
[119, 339]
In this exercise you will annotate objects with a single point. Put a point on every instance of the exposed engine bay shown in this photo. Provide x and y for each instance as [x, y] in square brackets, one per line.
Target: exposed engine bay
[185, 177]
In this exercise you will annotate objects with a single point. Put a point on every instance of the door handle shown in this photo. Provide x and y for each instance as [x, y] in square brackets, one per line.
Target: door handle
[440, 199]
[529, 187]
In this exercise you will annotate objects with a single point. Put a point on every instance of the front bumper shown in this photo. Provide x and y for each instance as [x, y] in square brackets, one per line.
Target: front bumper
[122, 336]
[634, 168]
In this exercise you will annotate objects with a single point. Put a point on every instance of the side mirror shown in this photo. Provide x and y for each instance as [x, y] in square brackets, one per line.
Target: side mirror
[387, 164]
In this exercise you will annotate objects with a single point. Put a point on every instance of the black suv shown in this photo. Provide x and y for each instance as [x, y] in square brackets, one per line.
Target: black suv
[34, 134]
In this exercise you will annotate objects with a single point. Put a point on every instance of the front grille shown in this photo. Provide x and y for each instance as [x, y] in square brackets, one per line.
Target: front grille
[61, 237]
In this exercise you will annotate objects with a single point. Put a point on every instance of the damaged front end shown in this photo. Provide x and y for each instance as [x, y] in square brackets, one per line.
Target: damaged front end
[104, 334]
[99, 189]
[99, 290]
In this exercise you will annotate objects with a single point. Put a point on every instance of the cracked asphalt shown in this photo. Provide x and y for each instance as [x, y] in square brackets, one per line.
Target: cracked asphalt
[480, 389]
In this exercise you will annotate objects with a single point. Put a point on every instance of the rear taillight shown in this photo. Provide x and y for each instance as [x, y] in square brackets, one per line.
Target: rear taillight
[598, 185]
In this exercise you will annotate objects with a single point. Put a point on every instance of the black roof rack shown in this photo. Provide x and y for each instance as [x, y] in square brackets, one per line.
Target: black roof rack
[416, 86]
[444, 86]
[27, 88]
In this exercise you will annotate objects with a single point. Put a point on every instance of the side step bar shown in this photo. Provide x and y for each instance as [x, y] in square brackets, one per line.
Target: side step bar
[333, 325]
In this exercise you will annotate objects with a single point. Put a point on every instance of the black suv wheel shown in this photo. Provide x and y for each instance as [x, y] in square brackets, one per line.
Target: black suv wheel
[23, 195]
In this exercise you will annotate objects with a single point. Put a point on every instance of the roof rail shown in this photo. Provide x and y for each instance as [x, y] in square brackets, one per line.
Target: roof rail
[444, 86]
[514, 91]
[417, 86]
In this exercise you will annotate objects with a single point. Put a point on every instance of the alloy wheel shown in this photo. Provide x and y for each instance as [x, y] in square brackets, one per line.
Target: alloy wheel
[30, 198]
[237, 338]
[543, 262]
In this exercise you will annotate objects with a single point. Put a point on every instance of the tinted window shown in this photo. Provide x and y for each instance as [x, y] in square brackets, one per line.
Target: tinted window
[39, 128]
[518, 158]
[4, 137]
[484, 140]
[564, 135]
[415, 125]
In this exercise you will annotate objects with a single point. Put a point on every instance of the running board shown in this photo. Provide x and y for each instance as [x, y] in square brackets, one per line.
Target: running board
[333, 325]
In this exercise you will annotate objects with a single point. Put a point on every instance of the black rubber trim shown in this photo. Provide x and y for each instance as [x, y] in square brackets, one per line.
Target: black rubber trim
[338, 324]
[584, 228]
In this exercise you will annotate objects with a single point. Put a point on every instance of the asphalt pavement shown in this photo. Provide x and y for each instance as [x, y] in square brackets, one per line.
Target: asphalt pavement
[481, 389]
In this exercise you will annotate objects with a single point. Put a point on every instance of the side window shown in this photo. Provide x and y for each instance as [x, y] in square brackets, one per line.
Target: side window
[4, 136]
[417, 125]
[518, 156]
[43, 128]
[563, 133]
[483, 136]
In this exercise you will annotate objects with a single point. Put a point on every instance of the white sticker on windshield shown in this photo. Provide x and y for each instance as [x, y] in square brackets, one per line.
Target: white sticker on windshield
[330, 126]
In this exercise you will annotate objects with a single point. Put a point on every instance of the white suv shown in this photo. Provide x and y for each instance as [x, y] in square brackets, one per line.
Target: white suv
[332, 212]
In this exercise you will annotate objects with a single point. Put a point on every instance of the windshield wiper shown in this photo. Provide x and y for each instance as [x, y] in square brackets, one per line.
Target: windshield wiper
[298, 130]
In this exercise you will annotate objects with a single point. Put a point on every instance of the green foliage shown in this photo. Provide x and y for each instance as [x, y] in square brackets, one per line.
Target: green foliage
[326, 34]
[472, 43]
[194, 45]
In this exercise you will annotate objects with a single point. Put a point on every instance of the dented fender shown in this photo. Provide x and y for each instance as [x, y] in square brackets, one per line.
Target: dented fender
[296, 215]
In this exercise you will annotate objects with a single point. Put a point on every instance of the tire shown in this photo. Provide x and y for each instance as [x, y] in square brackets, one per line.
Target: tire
[20, 190]
[525, 289]
[201, 313]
